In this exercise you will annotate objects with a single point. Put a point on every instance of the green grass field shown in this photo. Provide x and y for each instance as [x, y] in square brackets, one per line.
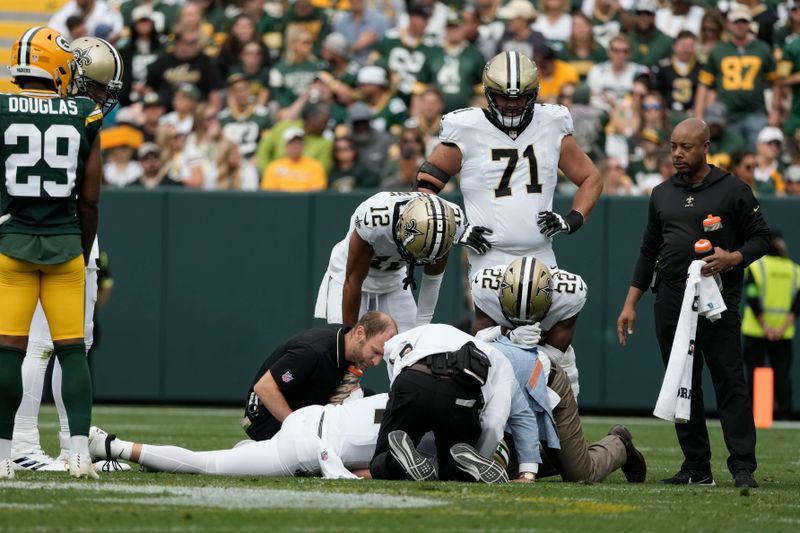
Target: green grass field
[136, 501]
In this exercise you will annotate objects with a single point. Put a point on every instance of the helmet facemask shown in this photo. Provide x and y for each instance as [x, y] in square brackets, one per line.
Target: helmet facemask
[512, 118]
[106, 96]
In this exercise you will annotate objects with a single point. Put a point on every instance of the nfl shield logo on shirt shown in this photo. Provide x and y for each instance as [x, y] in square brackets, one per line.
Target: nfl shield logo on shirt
[287, 377]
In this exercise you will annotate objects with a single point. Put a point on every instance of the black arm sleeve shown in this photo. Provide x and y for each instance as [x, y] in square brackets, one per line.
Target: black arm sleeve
[796, 303]
[651, 242]
[753, 228]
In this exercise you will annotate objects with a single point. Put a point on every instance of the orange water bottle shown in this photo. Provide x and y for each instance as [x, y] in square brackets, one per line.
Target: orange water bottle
[703, 248]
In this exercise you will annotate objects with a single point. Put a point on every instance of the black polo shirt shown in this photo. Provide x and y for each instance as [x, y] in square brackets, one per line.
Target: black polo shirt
[307, 369]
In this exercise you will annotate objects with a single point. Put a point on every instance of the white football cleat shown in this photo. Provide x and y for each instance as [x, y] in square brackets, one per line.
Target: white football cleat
[36, 460]
[97, 443]
[7, 469]
[80, 465]
[100, 448]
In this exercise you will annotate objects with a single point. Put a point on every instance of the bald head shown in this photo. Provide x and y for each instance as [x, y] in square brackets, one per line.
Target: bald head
[689, 144]
[692, 128]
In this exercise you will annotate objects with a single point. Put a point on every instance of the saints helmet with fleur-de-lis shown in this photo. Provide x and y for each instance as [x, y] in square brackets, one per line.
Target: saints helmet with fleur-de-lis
[98, 72]
[526, 291]
[425, 229]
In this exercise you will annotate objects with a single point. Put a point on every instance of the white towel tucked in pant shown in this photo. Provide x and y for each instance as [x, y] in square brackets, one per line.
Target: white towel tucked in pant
[702, 296]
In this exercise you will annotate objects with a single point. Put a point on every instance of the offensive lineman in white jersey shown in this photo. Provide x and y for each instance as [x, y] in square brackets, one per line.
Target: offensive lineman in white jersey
[336, 441]
[388, 232]
[557, 327]
[99, 77]
[508, 157]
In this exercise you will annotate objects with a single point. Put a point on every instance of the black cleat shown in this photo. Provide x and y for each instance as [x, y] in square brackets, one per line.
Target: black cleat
[691, 477]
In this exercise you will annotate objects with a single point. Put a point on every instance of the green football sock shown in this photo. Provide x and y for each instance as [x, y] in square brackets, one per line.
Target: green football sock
[76, 387]
[10, 388]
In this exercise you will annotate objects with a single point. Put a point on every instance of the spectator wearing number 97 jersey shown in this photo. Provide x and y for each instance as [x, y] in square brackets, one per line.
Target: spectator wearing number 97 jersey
[372, 267]
[507, 157]
[49, 209]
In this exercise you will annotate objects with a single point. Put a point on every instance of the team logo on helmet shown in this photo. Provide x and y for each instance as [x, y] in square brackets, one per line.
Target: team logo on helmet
[63, 43]
[82, 57]
[411, 232]
[526, 291]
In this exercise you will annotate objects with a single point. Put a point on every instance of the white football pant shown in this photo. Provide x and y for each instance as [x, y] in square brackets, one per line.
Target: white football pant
[399, 304]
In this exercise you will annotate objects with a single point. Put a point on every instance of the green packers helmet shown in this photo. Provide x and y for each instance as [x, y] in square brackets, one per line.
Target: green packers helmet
[42, 52]
[526, 291]
[425, 230]
[98, 72]
[515, 76]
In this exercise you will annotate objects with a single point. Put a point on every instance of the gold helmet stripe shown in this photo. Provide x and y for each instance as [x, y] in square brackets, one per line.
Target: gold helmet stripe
[24, 54]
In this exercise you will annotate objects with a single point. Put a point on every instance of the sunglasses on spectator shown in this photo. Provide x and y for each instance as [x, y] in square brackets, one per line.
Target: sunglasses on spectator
[775, 143]
[651, 107]
[621, 50]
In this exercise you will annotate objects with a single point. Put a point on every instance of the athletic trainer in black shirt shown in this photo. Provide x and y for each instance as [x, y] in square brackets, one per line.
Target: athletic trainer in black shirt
[675, 222]
[307, 368]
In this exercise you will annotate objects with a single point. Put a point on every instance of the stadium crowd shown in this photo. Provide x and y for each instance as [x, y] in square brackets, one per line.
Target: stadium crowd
[313, 94]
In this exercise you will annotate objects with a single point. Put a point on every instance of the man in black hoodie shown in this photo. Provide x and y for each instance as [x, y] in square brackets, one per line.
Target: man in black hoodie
[678, 208]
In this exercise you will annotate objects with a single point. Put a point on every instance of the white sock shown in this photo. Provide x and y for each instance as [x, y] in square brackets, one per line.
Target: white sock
[175, 459]
[34, 367]
[121, 449]
[59, 401]
[79, 444]
[5, 449]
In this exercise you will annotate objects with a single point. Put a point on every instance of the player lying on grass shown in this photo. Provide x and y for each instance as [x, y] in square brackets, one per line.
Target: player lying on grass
[335, 441]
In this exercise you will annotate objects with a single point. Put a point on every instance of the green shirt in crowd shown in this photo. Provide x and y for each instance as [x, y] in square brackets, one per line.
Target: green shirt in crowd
[740, 76]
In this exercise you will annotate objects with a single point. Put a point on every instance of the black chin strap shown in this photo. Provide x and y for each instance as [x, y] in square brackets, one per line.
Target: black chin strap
[409, 279]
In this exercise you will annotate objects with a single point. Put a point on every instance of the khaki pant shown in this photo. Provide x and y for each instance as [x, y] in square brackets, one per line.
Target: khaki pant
[577, 460]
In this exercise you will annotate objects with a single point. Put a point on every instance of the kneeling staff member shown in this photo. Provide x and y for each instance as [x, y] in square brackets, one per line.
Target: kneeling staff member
[308, 368]
[461, 389]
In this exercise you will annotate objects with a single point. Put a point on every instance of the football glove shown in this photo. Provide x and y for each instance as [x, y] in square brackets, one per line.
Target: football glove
[473, 238]
[551, 224]
[527, 336]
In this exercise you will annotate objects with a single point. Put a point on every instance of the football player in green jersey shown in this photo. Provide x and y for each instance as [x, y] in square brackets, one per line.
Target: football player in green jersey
[49, 212]
[98, 75]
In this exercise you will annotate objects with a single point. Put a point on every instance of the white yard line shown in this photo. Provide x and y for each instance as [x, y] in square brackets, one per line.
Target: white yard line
[228, 497]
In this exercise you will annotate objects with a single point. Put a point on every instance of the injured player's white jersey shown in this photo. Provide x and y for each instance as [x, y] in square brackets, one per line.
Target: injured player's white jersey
[507, 181]
[374, 221]
[569, 295]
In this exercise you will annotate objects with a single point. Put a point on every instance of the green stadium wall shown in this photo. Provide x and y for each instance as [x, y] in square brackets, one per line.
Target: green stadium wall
[206, 284]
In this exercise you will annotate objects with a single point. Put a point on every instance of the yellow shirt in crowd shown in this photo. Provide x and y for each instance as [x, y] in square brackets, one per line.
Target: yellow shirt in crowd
[304, 175]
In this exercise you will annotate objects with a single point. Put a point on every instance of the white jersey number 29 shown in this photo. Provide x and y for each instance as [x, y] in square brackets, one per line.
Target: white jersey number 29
[42, 145]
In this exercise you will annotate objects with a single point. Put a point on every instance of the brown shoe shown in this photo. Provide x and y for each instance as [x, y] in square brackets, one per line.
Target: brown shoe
[635, 467]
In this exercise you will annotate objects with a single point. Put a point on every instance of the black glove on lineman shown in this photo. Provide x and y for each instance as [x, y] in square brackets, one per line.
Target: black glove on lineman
[551, 223]
[474, 239]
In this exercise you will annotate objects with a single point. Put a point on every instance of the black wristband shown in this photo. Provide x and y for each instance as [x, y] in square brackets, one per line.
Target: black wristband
[575, 220]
